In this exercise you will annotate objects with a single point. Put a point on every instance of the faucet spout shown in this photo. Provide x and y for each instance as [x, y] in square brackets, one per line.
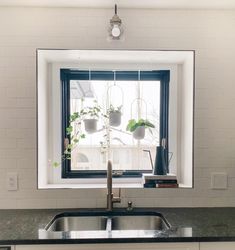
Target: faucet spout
[110, 198]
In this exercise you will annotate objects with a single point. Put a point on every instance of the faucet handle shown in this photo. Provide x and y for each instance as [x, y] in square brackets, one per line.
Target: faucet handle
[119, 192]
[129, 206]
[117, 199]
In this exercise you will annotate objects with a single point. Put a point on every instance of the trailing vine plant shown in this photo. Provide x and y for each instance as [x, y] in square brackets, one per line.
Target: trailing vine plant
[75, 135]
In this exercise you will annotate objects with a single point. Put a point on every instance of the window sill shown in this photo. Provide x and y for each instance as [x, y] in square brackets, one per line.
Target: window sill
[85, 186]
[129, 183]
[94, 183]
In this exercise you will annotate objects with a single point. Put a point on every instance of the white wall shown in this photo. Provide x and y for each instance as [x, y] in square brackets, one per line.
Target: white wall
[185, 120]
[43, 117]
[210, 33]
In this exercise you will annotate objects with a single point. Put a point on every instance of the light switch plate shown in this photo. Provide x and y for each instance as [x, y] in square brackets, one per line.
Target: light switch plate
[219, 180]
[12, 181]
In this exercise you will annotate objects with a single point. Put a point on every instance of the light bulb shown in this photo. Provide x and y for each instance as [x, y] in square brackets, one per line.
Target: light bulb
[116, 32]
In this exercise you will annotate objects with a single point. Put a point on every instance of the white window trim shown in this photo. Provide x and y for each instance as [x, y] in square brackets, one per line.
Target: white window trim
[50, 177]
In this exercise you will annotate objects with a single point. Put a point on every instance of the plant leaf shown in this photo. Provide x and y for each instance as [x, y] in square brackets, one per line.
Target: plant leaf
[75, 140]
[130, 125]
[55, 164]
[149, 124]
[69, 130]
[82, 135]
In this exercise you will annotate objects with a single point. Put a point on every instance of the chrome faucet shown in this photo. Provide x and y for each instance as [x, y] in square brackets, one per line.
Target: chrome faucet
[110, 198]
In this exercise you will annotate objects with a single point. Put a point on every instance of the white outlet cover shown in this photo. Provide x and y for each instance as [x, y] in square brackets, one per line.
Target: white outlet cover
[12, 181]
[219, 180]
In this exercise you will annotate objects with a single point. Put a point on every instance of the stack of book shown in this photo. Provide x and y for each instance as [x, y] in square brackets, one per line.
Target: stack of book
[160, 181]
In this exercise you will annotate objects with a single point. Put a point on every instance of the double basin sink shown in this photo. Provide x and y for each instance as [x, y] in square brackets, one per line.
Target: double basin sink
[108, 221]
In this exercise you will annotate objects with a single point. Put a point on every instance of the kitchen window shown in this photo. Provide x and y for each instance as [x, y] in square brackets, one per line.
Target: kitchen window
[90, 96]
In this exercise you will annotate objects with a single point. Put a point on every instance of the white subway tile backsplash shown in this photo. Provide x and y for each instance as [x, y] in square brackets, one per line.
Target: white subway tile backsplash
[8, 143]
[210, 33]
[8, 203]
[21, 92]
[20, 133]
[35, 203]
[29, 143]
[8, 163]
[75, 203]
[26, 123]
[27, 162]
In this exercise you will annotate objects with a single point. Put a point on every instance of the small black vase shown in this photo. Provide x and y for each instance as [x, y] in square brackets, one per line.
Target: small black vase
[159, 164]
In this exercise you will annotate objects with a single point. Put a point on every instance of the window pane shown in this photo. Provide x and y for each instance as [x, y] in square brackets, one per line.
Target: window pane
[136, 100]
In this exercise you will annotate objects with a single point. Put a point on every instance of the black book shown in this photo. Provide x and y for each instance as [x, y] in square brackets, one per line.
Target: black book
[161, 181]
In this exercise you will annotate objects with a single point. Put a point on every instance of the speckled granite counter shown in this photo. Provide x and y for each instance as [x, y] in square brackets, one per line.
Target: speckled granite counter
[188, 225]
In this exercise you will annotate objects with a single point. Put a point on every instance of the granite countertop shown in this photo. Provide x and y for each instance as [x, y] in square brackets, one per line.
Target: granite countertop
[188, 225]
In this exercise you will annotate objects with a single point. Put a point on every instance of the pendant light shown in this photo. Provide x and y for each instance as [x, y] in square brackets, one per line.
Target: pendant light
[115, 30]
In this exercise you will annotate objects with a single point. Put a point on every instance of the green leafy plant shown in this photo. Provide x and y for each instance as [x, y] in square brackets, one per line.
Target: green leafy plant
[133, 124]
[114, 109]
[73, 137]
[91, 112]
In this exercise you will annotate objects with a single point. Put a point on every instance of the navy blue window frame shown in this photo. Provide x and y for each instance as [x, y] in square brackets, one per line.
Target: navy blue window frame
[66, 75]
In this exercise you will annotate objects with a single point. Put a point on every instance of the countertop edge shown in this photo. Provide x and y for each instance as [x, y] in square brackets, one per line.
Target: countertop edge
[117, 240]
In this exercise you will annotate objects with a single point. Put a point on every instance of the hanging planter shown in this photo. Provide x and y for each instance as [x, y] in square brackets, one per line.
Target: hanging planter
[115, 116]
[138, 128]
[90, 125]
[91, 116]
[139, 133]
[114, 113]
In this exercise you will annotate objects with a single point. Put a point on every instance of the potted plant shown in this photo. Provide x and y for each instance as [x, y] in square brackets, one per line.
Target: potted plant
[138, 127]
[91, 116]
[114, 115]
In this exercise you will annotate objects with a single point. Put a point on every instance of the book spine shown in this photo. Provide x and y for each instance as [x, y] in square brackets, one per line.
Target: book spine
[149, 185]
[159, 178]
[167, 185]
[161, 181]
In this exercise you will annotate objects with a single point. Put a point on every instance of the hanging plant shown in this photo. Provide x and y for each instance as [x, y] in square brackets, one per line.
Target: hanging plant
[138, 127]
[90, 117]
[114, 114]
[75, 137]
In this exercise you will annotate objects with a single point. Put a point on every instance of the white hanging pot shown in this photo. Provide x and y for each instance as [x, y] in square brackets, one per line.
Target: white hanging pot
[90, 125]
[139, 133]
[115, 118]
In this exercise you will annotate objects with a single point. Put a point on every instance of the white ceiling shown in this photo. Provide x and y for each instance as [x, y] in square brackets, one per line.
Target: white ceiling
[165, 4]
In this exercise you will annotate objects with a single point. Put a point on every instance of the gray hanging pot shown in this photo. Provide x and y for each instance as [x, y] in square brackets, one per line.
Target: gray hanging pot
[115, 118]
[139, 133]
[90, 125]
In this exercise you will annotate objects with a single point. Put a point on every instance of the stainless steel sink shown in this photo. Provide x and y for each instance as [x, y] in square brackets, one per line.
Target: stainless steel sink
[78, 223]
[107, 221]
[151, 222]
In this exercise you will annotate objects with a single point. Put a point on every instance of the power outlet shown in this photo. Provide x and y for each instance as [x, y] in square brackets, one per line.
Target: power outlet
[12, 181]
[219, 180]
